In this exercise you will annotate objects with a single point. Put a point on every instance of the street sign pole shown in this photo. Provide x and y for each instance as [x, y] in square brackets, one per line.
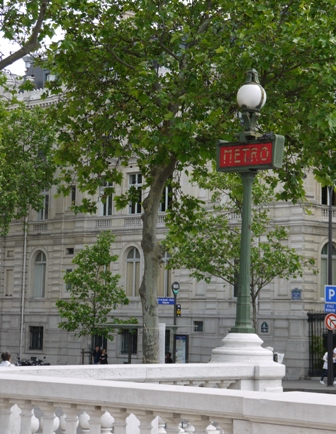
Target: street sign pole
[175, 290]
[330, 332]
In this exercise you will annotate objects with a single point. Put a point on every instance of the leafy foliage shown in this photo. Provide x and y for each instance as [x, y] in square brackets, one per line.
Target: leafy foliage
[209, 243]
[153, 83]
[26, 162]
[94, 292]
[27, 23]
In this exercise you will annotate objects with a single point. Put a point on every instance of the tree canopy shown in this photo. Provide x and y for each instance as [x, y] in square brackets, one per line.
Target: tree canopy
[26, 163]
[209, 244]
[155, 81]
[94, 292]
[27, 23]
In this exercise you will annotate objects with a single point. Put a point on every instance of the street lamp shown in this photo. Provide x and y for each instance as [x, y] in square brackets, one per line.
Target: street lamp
[251, 153]
[251, 97]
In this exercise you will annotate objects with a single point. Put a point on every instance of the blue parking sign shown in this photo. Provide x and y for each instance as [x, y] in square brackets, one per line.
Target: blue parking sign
[330, 293]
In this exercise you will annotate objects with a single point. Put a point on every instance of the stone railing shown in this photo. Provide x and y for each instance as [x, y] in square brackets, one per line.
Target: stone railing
[263, 377]
[37, 403]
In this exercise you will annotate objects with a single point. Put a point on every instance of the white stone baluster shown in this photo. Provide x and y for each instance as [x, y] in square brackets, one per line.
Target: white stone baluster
[49, 421]
[225, 425]
[161, 426]
[5, 416]
[35, 423]
[95, 421]
[71, 421]
[83, 422]
[172, 423]
[146, 418]
[119, 424]
[27, 416]
[200, 424]
[189, 428]
[106, 422]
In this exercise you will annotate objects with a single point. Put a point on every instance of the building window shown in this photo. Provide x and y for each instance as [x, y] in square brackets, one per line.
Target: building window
[106, 200]
[73, 195]
[70, 250]
[36, 338]
[325, 196]
[44, 211]
[324, 267]
[166, 198]
[164, 279]
[9, 282]
[198, 326]
[68, 284]
[132, 272]
[167, 341]
[135, 180]
[129, 341]
[40, 265]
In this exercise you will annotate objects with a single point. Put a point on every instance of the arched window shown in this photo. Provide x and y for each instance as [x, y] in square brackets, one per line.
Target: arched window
[324, 267]
[132, 272]
[164, 279]
[40, 265]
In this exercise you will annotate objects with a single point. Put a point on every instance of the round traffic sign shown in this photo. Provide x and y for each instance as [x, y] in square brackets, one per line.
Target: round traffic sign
[175, 288]
[330, 321]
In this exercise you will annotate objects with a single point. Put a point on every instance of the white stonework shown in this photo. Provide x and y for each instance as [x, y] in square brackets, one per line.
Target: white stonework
[89, 405]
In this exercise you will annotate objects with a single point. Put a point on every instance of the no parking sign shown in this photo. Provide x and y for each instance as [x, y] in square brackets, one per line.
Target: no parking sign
[330, 321]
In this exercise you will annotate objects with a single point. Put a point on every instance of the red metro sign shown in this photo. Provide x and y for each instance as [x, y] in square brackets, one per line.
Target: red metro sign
[242, 157]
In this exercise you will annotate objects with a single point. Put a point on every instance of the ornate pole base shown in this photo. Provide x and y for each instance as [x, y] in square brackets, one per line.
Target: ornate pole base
[243, 348]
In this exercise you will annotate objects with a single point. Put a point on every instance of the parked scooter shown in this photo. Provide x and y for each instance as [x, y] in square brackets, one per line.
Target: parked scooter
[22, 362]
[39, 362]
[34, 361]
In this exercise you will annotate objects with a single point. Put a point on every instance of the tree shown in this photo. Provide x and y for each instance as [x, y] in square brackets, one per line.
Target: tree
[209, 244]
[26, 162]
[27, 23]
[154, 82]
[94, 292]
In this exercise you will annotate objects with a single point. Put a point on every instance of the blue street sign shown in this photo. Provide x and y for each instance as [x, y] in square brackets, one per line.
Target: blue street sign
[330, 294]
[330, 308]
[166, 300]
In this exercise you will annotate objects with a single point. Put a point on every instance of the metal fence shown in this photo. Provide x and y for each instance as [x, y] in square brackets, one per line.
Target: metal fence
[317, 342]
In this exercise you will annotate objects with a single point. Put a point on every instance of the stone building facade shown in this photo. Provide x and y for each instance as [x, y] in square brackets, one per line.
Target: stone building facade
[33, 263]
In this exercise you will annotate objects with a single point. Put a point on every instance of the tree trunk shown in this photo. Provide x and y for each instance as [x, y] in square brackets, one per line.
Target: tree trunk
[152, 256]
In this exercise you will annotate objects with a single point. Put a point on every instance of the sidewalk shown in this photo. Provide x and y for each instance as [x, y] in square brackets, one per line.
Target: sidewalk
[308, 385]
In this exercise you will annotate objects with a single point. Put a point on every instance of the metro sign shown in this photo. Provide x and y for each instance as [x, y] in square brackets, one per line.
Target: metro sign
[256, 155]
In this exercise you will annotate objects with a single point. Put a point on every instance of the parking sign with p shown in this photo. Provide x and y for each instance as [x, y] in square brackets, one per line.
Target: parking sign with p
[330, 293]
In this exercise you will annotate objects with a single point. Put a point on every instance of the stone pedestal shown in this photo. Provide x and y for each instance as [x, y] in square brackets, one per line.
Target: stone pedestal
[244, 349]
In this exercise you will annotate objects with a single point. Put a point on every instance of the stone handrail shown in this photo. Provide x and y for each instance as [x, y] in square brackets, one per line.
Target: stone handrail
[266, 377]
[72, 405]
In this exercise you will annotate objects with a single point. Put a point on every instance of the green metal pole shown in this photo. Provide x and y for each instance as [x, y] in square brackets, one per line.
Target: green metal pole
[243, 314]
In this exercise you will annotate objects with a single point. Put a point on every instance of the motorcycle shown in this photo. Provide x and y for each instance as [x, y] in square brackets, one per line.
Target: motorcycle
[34, 361]
[22, 362]
[39, 362]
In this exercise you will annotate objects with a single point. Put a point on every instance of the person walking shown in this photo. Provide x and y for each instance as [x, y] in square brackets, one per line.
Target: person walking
[325, 366]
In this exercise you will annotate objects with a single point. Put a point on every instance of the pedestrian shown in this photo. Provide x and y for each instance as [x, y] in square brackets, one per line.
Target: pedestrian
[325, 366]
[103, 358]
[96, 353]
[168, 358]
[6, 360]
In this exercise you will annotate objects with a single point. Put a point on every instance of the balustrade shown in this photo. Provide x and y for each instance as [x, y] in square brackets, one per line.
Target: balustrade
[48, 405]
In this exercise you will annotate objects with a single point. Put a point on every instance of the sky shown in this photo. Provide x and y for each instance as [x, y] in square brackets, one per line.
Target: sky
[17, 67]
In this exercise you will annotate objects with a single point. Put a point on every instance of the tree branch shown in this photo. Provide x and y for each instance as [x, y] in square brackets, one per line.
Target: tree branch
[32, 42]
